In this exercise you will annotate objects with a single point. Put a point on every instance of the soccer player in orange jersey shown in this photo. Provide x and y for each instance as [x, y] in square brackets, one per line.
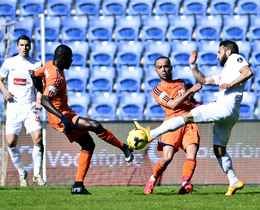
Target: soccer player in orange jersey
[64, 119]
[173, 98]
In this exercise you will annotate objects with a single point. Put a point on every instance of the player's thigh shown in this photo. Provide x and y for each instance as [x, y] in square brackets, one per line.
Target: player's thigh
[32, 122]
[37, 137]
[191, 135]
[211, 112]
[14, 123]
[173, 139]
[221, 133]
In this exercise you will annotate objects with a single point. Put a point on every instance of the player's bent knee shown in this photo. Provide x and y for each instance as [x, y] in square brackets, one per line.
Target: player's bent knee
[86, 142]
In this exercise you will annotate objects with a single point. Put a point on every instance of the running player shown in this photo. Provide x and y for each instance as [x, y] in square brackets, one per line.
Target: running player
[224, 112]
[22, 108]
[64, 119]
[174, 99]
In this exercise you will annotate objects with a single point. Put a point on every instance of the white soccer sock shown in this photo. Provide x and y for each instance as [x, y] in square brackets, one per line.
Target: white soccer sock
[170, 125]
[16, 158]
[226, 164]
[37, 159]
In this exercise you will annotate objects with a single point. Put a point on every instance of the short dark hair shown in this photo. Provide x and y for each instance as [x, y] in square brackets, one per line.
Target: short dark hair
[229, 45]
[24, 37]
[162, 57]
[62, 50]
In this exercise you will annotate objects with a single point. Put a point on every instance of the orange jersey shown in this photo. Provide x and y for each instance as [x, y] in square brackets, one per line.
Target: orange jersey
[164, 92]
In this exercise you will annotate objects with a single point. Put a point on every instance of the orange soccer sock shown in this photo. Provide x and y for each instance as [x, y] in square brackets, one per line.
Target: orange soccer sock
[110, 138]
[159, 169]
[84, 163]
[188, 169]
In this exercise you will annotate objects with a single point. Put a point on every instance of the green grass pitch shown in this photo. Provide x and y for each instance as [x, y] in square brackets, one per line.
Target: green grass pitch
[128, 198]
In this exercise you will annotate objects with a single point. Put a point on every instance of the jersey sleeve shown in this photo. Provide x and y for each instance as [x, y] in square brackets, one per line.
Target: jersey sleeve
[39, 72]
[4, 69]
[160, 95]
[53, 80]
[238, 61]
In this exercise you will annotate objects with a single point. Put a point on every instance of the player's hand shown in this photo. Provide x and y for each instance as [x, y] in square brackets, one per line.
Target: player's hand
[38, 105]
[66, 122]
[224, 86]
[8, 95]
[195, 88]
[193, 57]
[31, 72]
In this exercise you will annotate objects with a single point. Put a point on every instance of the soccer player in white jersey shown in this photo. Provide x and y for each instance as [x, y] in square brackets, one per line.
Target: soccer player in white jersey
[224, 112]
[22, 108]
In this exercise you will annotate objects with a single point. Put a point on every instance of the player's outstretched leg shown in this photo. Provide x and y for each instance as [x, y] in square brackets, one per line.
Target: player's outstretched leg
[79, 189]
[186, 189]
[150, 185]
[232, 190]
[146, 130]
[23, 180]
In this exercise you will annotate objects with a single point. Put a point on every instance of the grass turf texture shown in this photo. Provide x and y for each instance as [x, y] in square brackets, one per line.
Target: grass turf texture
[128, 198]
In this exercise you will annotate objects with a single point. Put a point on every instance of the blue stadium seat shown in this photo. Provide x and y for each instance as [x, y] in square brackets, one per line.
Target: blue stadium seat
[181, 28]
[248, 84]
[102, 79]
[1, 106]
[31, 7]
[2, 53]
[2, 31]
[185, 74]
[257, 84]
[235, 27]
[167, 7]
[154, 28]
[208, 28]
[102, 54]
[222, 7]
[49, 51]
[137, 7]
[114, 7]
[248, 7]
[104, 106]
[208, 97]
[129, 54]
[129, 79]
[52, 29]
[255, 54]
[79, 102]
[254, 29]
[210, 71]
[208, 52]
[181, 52]
[244, 49]
[90, 8]
[100, 28]
[154, 50]
[131, 106]
[23, 27]
[77, 78]
[153, 110]
[59, 7]
[151, 80]
[8, 8]
[195, 7]
[127, 28]
[247, 106]
[74, 28]
[80, 52]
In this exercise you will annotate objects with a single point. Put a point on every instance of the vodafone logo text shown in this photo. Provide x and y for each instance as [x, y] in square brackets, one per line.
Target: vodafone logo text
[19, 81]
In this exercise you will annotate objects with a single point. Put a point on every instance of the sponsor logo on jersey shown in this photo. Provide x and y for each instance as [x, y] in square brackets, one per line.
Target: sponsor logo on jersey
[53, 89]
[47, 73]
[18, 81]
[239, 60]
[162, 95]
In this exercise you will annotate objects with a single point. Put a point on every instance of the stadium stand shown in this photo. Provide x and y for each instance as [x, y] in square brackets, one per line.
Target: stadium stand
[90, 8]
[247, 7]
[151, 80]
[80, 52]
[254, 29]
[8, 8]
[25, 26]
[153, 110]
[137, 7]
[49, 51]
[247, 106]
[59, 7]
[114, 7]
[31, 7]
[185, 74]
[222, 7]
[208, 52]
[167, 7]
[210, 71]
[79, 102]
[195, 7]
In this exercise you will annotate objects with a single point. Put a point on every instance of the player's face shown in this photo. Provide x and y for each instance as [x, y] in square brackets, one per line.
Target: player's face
[24, 48]
[68, 61]
[222, 56]
[163, 69]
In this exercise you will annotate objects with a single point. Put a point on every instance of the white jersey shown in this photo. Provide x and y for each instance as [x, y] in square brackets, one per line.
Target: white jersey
[20, 82]
[230, 72]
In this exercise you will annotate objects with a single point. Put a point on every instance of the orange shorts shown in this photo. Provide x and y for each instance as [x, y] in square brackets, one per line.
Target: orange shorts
[56, 123]
[184, 136]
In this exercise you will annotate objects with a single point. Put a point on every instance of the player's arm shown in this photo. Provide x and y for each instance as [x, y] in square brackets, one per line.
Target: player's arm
[246, 73]
[201, 78]
[175, 103]
[37, 81]
[38, 100]
[7, 95]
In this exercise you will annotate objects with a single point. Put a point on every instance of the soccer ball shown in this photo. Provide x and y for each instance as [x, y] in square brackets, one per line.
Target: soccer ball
[137, 139]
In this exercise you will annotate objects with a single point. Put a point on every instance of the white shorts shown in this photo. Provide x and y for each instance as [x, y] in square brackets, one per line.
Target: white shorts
[15, 121]
[224, 115]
